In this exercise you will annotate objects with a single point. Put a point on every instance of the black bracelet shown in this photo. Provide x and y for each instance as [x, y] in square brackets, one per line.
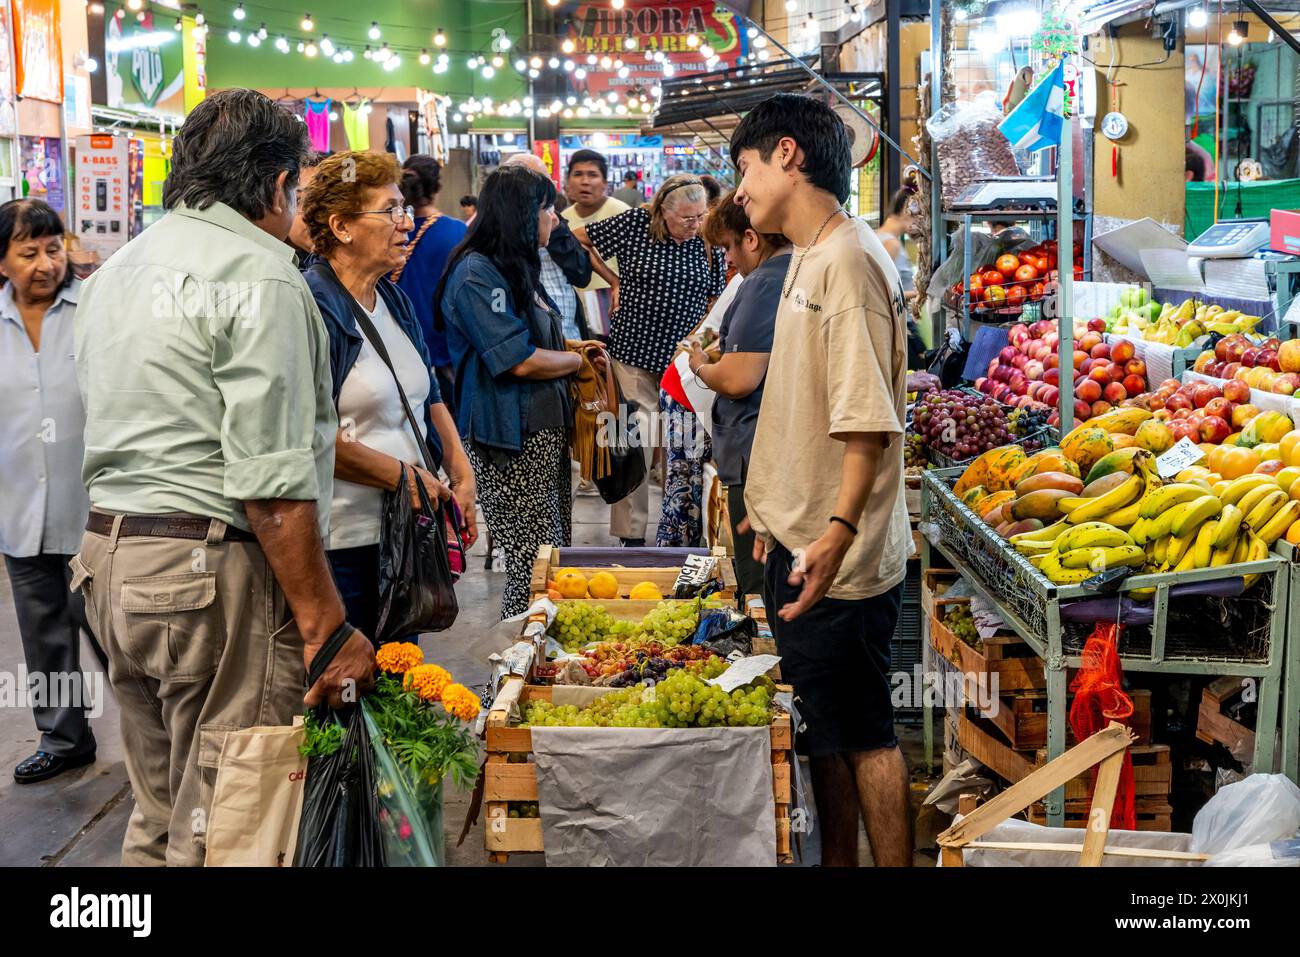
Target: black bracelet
[342, 633]
[846, 523]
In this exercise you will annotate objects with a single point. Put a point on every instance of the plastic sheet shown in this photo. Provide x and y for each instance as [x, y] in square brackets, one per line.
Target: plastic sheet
[971, 147]
[1259, 810]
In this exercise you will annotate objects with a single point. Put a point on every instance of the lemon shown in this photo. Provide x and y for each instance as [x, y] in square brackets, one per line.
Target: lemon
[645, 591]
[602, 585]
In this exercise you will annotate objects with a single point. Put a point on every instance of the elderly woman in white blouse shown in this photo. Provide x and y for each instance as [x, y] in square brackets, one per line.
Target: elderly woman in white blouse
[44, 505]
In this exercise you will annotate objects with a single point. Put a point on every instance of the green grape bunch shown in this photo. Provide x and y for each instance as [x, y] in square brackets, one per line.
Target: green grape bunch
[681, 700]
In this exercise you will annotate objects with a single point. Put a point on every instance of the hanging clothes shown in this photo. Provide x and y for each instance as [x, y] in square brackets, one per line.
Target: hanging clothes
[318, 124]
[356, 125]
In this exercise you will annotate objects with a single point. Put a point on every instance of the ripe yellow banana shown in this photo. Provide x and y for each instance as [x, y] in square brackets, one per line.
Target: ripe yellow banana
[1194, 514]
[1230, 520]
[1162, 549]
[1055, 572]
[1187, 562]
[1048, 533]
[1167, 496]
[1204, 548]
[1282, 519]
[1237, 488]
[1100, 559]
[1243, 548]
[1126, 516]
[1256, 495]
[1096, 509]
[1258, 517]
[1092, 535]
[1162, 526]
[1223, 555]
[1257, 551]
[1180, 545]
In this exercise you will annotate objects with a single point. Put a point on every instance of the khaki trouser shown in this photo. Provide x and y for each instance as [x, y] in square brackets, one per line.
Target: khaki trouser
[628, 516]
[200, 642]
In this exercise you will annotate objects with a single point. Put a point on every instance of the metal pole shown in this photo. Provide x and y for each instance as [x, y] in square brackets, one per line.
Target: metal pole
[1279, 31]
[893, 69]
[532, 121]
[938, 235]
[817, 78]
[1065, 273]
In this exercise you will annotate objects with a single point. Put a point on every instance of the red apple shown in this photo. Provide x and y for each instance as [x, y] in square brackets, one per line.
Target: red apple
[1204, 393]
[1214, 430]
[1178, 401]
[1052, 376]
[1269, 357]
[1230, 370]
[1250, 358]
[1234, 390]
[1156, 402]
[1272, 342]
[1221, 350]
[1286, 383]
[1237, 346]
[1172, 384]
[1221, 407]
[1049, 395]
[1097, 325]
[1183, 430]
[1101, 407]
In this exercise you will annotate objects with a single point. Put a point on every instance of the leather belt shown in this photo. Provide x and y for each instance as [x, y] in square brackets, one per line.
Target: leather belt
[173, 525]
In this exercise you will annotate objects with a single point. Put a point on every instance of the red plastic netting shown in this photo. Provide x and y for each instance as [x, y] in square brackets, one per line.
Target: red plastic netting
[1099, 698]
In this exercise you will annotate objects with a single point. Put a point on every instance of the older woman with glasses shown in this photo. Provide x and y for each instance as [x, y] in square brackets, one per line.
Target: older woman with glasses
[667, 276]
[358, 224]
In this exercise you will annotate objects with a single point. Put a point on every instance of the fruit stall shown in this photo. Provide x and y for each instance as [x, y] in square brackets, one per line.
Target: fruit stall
[625, 657]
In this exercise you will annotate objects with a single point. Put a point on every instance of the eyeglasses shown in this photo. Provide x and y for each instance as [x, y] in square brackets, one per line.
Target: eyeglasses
[398, 214]
[692, 220]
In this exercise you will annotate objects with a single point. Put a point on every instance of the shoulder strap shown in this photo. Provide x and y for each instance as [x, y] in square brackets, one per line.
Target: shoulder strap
[397, 273]
[377, 343]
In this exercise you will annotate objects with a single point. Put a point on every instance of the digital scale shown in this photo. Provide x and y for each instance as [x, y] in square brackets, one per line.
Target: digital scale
[1007, 192]
[1231, 239]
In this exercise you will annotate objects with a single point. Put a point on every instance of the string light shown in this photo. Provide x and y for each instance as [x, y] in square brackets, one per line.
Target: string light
[440, 38]
[254, 40]
[616, 4]
[535, 63]
[424, 58]
[629, 43]
[373, 32]
[791, 6]
[1197, 17]
[498, 62]
[282, 44]
[308, 24]
[692, 40]
[261, 30]
[311, 50]
[521, 64]
[567, 46]
[553, 63]
[233, 36]
[134, 5]
[238, 13]
[199, 19]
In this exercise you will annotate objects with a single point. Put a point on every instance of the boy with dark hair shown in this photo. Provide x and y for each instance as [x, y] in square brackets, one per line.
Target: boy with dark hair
[824, 491]
[584, 185]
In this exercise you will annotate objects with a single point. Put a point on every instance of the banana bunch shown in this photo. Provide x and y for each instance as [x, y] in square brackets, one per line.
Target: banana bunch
[1182, 526]
[1093, 534]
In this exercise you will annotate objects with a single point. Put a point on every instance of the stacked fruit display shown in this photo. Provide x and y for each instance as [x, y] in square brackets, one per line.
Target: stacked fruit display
[681, 700]
[572, 583]
[1016, 278]
[1027, 371]
[579, 623]
[958, 424]
[1180, 326]
[1270, 365]
[914, 454]
[1210, 414]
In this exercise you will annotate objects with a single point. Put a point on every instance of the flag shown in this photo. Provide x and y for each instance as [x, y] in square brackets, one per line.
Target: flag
[1037, 122]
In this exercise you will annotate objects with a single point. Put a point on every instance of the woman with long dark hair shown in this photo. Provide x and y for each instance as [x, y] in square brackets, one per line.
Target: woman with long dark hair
[507, 347]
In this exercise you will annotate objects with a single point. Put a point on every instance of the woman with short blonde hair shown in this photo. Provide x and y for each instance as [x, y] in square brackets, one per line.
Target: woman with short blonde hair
[667, 277]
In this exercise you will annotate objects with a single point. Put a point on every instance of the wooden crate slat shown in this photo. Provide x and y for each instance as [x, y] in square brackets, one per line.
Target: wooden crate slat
[1014, 674]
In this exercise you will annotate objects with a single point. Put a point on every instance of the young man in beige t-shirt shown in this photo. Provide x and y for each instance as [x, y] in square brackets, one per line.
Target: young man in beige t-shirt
[824, 493]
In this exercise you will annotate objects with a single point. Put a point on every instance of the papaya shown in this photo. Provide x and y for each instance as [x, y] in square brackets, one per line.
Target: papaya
[973, 476]
[1045, 460]
[1043, 505]
[973, 496]
[1045, 480]
[1122, 440]
[1121, 460]
[1265, 427]
[992, 501]
[1001, 463]
[1086, 446]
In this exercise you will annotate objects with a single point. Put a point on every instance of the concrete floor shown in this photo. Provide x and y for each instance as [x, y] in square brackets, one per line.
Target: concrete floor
[78, 818]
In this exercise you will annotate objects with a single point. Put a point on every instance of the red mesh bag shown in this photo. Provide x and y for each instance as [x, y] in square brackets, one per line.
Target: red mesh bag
[1099, 699]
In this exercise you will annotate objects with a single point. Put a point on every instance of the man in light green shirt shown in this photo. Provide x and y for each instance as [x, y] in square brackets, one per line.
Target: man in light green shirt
[204, 366]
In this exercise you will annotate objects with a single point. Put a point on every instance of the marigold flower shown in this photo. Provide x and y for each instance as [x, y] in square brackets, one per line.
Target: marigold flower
[460, 702]
[398, 657]
[427, 681]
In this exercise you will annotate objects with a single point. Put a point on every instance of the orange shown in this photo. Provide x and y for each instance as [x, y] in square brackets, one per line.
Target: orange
[571, 584]
[602, 585]
[1236, 462]
[1289, 445]
[1293, 534]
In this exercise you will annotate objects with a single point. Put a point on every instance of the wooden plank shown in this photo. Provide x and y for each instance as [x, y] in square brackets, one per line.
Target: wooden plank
[1146, 853]
[934, 583]
[1222, 690]
[1111, 739]
[1103, 800]
[1213, 726]
[517, 834]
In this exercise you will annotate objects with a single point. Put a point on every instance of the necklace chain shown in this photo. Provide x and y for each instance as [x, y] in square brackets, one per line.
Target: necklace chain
[799, 262]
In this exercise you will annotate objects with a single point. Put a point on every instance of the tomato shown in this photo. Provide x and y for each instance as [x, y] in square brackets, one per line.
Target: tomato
[1028, 258]
[1037, 291]
[976, 287]
[1026, 273]
[1007, 264]
[1016, 295]
[1078, 271]
[1041, 265]
[993, 277]
[994, 293]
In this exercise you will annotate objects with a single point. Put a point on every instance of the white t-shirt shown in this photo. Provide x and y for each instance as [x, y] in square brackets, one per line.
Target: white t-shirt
[370, 412]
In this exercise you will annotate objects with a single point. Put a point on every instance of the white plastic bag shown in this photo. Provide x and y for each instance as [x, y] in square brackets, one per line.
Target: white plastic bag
[1277, 854]
[1259, 810]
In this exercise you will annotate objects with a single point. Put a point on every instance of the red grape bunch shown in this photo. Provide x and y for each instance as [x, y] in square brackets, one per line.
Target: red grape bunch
[960, 425]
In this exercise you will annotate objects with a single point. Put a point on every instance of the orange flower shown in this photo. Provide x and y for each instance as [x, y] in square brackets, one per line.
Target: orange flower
[398, 657]
[460, 702]
[428, 681]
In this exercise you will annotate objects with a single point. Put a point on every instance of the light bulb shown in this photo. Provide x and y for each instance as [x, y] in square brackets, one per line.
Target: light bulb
[535, 63]
[334, 117]
[623, 73]
[424, 58]
[616, 4]
[692, 40]
[261, 31]
[440, 38]
[498, 62]
[472, 63]
[760, 42]
[134, 5]
[706, 51]
[347, 55]
[178, 26]
[282, 44]
[629, 43]
[571, 100]
[338, 57]
[591, 59]
[552, 3]
[1197, 17]
[326, 45]
[310, 49]
[238, 12]
[308, 24]
[568, 66]
[457, 117]
[91, 64]
[606, 63]
[383, 53]
[373, 32]
[521, 64]
[488, 72]
[791, 6]
[534, 74]
[553, 63]
[580, 74]
[198, 17]
[254, 40]
[233, 36]
[567, 46]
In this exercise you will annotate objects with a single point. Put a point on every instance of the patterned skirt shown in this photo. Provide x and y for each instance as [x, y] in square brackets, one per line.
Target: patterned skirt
[687, 448]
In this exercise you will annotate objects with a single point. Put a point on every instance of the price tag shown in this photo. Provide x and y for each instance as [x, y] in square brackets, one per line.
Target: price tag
[696, 570]
[744, 671]
[1184, 454]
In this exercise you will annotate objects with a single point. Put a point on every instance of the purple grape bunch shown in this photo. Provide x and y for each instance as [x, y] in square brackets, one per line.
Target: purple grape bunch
[960, 425]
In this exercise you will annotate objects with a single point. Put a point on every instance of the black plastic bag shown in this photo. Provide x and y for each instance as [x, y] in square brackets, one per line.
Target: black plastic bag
[724, 631]
[415, 580]
[627, 464]
[340, 809]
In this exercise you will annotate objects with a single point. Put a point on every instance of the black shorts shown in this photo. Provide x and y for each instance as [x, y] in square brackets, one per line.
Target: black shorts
[836, 655]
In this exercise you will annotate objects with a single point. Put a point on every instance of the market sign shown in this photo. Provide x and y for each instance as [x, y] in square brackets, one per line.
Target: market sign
[145, 64]
[597, 29]
[103, 198]
[38, 43]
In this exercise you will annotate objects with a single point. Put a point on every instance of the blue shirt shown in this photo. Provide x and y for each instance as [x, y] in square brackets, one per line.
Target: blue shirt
[488, 335]
[747, 326]
[335, 304]
[43, 504]
[419, 279]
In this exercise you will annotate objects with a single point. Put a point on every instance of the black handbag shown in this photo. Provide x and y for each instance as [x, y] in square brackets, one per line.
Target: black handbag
[415, 577]
[627, 463]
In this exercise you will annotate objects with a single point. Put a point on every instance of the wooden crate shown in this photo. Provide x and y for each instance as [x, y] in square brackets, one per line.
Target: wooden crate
[1152, 769]
[1152, 814]
[764, 643]
[935, 583]
[506, 781]
[550, 560]
[1022, 719]
[1017, 666]
[1213, 726]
